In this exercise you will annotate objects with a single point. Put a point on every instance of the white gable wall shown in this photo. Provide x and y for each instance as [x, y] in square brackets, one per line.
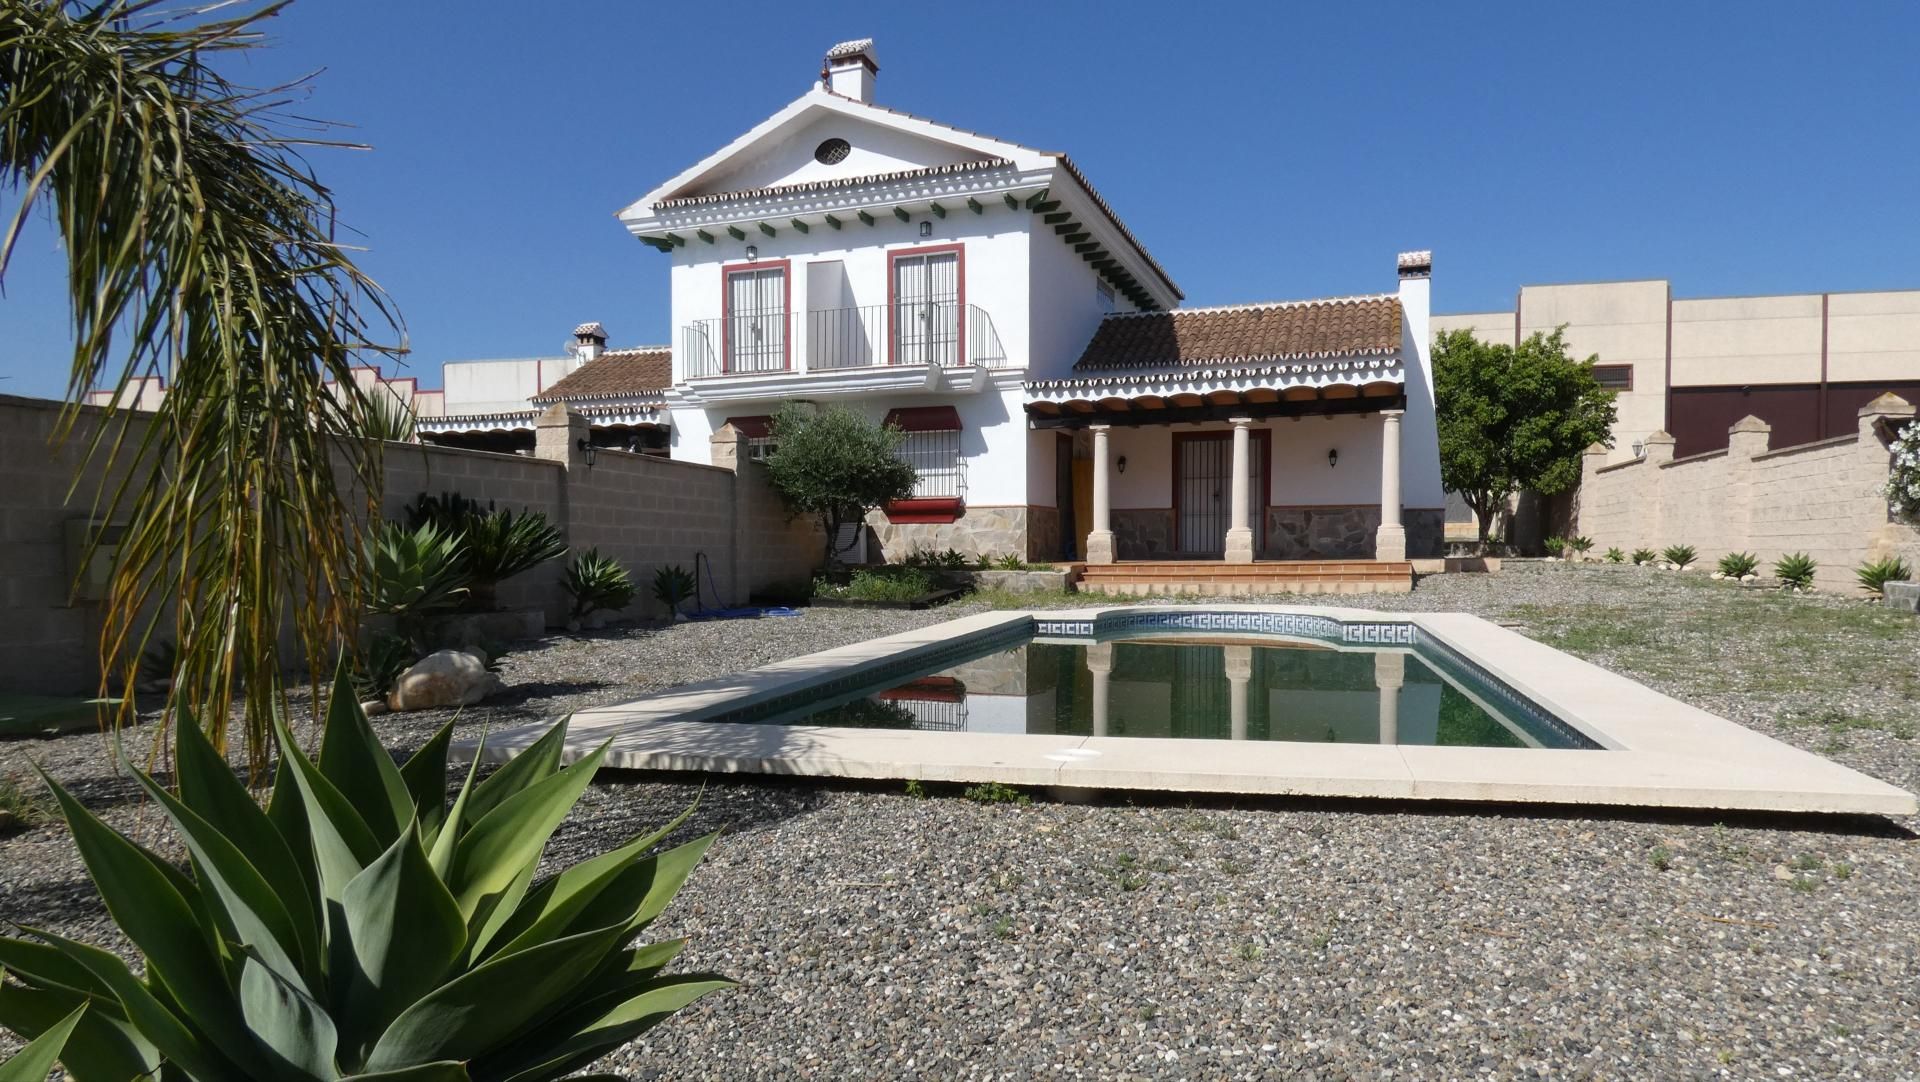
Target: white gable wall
[1065, 290]
[875, 150]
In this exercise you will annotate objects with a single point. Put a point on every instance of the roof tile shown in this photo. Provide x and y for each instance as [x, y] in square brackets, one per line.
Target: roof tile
[617, 373]
[1341, 327]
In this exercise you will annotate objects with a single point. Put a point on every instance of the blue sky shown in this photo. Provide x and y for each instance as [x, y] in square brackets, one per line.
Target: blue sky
[1260, 150]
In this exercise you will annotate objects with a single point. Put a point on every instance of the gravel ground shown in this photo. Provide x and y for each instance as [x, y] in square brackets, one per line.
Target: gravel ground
[876, 935]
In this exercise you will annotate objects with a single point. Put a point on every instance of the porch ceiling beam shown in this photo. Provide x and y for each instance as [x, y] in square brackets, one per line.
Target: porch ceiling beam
[801, 226]
[1196, 414]
[865, 217]
[901, 213]
[974, 205]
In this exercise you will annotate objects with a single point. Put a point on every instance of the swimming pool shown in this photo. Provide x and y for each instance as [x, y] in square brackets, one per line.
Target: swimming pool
[1249, 699]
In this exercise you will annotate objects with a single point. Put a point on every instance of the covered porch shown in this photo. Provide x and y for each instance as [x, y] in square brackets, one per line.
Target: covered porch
[1249, 479]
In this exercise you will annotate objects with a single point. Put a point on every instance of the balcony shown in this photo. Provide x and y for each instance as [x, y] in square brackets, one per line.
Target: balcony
[923, 338]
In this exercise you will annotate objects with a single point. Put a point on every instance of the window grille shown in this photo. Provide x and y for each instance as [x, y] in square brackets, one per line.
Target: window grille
[935, 458]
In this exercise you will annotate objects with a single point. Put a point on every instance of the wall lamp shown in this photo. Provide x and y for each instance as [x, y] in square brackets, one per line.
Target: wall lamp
[926, 229]
[753, 251]
[1333, 457]
[586, 448]
[1121, 464]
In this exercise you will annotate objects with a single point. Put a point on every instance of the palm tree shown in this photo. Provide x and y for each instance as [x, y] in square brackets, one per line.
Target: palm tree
[199, 244]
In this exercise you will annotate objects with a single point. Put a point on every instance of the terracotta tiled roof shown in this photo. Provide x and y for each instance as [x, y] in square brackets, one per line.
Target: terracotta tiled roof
[1185, 337]
[617, 373]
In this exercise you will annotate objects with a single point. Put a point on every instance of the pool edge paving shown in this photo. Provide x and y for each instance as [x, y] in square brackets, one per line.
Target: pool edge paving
[1661, 753]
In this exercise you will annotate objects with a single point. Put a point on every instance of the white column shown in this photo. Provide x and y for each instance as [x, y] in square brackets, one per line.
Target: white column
[1389, 673]
[1390, 542]
[1240, 534]
[1100, 538]
[1239, 672]
[1100, 664]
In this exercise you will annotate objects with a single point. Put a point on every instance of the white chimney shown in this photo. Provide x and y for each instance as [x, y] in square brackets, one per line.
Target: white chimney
[849, 69]
[589, 341]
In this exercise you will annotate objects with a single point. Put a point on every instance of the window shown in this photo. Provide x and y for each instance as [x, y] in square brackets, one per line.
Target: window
[832, 152]
[755, 326]
[926, 306]
[759, 433]
[1614, 377]
[930, 443]
[1103, 294]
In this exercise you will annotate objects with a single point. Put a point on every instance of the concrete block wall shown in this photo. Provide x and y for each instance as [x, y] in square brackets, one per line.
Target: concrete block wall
[641, 510]
[1825, 499]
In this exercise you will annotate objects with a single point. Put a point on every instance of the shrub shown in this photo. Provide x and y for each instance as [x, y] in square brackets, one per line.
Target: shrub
[880, 584]
[360, 923]
[25, 807]
[1011, 562]
[672, 586]
[993, 792]
[1795, 570]
[1680, 556]
[1736, 565]
[1875, 574]
[411, 574]
[597, 582]
[1642, 557]
[1615, 556]
[1555, 546]
[1903, 480]
[1581, 545]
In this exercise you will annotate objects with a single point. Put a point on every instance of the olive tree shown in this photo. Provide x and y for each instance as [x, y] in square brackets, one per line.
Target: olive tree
[1514, 418]
[835, 465]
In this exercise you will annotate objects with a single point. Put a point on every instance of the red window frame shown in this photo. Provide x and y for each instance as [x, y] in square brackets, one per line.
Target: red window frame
[960, 295]
[786, 309]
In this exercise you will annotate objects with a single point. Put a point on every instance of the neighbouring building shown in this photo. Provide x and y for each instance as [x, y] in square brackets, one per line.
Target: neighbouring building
[494, 405]
[980, 295]
[1691, 367]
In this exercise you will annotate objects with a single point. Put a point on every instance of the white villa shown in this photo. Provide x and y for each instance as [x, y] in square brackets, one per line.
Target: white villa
[1057, 401]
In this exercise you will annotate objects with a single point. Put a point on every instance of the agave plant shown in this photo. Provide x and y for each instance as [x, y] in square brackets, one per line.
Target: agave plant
[1680, 556]
[1795, 570]
[37, 1059]
[1642, 557]
[597, 582]
[1875, 574]
[388, 418]
[1581, 545]
[1555, 546]
[359, 926]
[411, 574]
[672, 586]
[1738, 565]
[1615, 556]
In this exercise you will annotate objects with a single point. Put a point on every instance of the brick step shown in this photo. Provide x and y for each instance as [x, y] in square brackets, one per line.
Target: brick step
[1348, 573]
[1241, 589]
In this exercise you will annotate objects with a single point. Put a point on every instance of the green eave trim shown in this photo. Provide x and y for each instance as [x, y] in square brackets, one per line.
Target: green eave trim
[832, 221]
[974, 205]
[1047, 207]
[735, 232]
[704, 235]
[657, 243]
[1012, 203]
[1037, 198]
[864, 216]
[767, 229]
[901, 213]
[801, 226]
[938, 210]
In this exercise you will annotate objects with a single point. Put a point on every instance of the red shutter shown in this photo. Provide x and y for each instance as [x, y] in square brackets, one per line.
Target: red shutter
[925, 419]
[754, 428]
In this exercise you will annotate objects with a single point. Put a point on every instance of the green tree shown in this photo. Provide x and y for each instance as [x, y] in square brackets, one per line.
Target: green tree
[199, 246]
[836, 466]
[1513, 419]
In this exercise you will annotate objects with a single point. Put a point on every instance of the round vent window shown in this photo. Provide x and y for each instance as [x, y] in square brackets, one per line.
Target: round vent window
[831, 152]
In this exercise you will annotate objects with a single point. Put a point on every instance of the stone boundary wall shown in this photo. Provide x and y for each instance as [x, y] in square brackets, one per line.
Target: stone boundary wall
[641, 510]
[1824, 498]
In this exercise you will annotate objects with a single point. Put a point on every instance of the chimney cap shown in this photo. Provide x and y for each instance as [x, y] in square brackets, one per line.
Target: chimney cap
[591, 330]
[1416, 264]
[847, 52]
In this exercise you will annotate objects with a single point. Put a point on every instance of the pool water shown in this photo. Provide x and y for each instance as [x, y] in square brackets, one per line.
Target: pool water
[1198, 688]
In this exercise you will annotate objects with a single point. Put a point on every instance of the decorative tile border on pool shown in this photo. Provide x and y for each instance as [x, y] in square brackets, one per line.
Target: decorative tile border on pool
[1451, 663]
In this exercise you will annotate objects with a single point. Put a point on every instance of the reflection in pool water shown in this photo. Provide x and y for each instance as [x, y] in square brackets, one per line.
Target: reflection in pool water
[1212, 689]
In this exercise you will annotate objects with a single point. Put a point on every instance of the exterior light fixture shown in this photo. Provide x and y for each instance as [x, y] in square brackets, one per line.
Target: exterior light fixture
[1333, 457]
[586, 448]
[926, 229]
[753, 251]
[1121, 464]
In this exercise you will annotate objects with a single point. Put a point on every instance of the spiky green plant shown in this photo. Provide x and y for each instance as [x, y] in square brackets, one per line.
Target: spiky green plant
[359, 926]
[1735, 565]
[412, 574]
[672, 586]
[1580, 545]
[1642, 557]
[1680, 556]
[1874, 575]
[1615, 556]
[1795, 570]
[496, 544]
[34, 1062]
[388, 418]
[1556, 546]
[597, 582]
[382, 661]
[200, 246]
